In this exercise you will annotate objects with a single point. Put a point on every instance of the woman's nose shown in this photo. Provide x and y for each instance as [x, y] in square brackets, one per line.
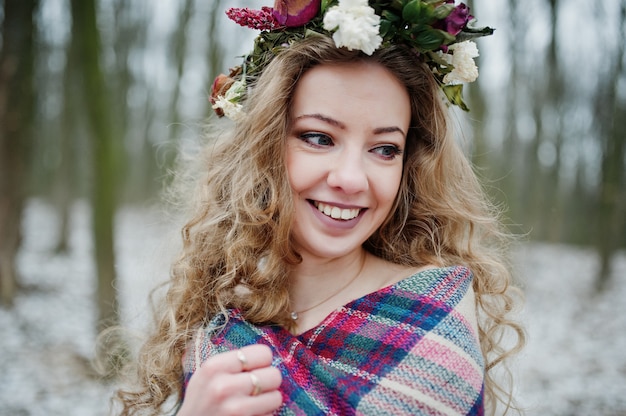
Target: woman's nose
[348, 172]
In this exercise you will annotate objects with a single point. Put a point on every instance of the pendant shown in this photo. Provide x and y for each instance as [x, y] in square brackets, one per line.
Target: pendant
[294, 315]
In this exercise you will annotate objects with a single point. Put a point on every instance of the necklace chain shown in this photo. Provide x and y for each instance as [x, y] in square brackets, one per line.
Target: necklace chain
[295, 314]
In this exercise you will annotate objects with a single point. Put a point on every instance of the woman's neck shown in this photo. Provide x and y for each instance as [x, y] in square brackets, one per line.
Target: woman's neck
[319, 285]
[322, 268]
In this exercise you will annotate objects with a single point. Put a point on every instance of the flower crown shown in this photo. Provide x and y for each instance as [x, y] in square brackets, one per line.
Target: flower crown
[438, 30]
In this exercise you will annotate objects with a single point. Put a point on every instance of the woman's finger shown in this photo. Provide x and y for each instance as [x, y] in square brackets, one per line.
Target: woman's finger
[263, 404]
[259, 381]
[247, 358]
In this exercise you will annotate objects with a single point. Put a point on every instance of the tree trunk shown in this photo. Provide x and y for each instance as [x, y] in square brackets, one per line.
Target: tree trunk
[179, 47]
[511, 167]
[16, 114]
[478, 107]
[554, 209]
[215, 52]
[65, 182]
[610, 113]
[128, 42]
[84, 28]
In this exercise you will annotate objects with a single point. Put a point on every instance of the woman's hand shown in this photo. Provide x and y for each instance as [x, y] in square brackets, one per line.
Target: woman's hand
[241, 382]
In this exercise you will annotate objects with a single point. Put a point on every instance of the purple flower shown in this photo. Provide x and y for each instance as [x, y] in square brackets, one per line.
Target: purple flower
[293, 13]
[456, 20]
[254, 19]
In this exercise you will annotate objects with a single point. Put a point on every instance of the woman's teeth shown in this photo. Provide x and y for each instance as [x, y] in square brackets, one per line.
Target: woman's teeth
[336, 212]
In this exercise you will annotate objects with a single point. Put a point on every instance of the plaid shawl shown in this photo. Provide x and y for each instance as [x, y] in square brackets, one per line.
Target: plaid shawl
[407, 349]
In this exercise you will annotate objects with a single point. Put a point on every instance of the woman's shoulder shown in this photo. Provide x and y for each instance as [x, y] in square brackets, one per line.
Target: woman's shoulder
[392, 274]
[437, 277]
[431, 283]
[454, 272]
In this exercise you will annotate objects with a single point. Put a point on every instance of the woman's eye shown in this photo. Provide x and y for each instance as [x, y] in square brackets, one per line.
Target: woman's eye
[387, 151]
[317, 139]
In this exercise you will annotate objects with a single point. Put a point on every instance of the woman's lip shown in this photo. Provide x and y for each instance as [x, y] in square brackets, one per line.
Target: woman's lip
[336, 225]
[335, 204]
[338, 212]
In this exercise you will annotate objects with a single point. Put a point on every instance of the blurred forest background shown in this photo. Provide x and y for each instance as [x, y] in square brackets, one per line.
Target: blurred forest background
[97, 96]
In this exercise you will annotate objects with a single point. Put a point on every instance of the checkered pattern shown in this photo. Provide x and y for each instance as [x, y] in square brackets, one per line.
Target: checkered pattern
[407, 349]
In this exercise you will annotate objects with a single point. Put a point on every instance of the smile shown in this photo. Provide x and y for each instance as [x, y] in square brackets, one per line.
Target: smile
[336, 212]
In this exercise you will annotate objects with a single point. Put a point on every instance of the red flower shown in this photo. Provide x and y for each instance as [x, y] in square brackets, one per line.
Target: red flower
[221, 84]
[456, 20]
[255, 19]
[293, 13]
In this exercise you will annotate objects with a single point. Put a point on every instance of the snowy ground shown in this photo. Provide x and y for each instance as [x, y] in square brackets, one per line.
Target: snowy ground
[574, 364]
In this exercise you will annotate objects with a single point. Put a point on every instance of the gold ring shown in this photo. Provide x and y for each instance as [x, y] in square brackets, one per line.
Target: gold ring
[242, 359]
[256, 386]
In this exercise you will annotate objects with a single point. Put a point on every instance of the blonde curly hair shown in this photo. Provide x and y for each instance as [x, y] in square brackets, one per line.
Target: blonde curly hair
[243, 213]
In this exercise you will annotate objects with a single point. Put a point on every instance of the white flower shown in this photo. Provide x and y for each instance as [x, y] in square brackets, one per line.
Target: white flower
[356, 24]
[229, 103]
[462, 59]
[236, 90]
[233, 111]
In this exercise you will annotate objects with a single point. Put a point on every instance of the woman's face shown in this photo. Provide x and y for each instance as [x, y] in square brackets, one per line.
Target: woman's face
[344, 155]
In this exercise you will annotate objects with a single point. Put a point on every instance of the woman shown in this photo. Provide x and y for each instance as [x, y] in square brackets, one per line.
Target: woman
[342, 258]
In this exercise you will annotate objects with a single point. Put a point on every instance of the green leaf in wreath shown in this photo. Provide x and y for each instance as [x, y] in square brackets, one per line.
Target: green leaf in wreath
[443, 11]
[388, 15]
[428, 39]
[398, 4]
[312, 33]
[455, 95]
[411, 11]
[473, 33]
[385, 25]
[325, 5]
[427, 13]
[437, 59]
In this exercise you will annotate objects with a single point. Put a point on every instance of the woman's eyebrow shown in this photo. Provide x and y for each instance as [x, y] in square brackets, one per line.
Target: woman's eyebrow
[322, 117]
[390, 129]
[332, 121]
